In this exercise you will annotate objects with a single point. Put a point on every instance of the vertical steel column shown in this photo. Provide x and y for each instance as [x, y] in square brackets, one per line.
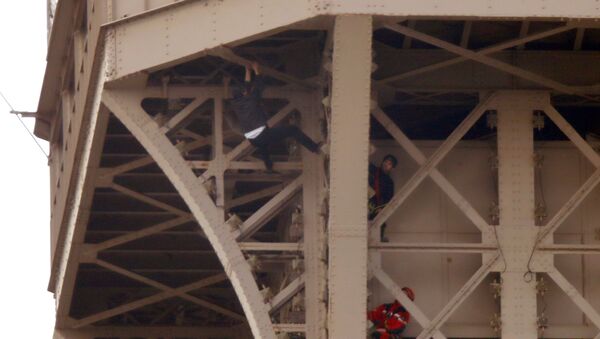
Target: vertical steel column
[517, 230]
[314, 228]
[348, 176]
[217, 149]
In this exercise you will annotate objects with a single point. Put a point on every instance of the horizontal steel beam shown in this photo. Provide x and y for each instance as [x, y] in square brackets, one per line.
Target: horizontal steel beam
[192, 91]
[143, 332]
[271, 246]
[571, 249]
[433, 247]
[249, 165]
[289, 328]
[253, 18]
[446, 9]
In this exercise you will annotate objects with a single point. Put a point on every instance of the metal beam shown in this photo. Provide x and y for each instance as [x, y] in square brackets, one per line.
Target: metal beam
[254, 18]
[249, 165]
[271, 246]
[576, 297]
[485, 51]
[352, 57]
[67, 253]
[177, 91]
[146, 199]
[218, 151]
[250, 197]
[461, 202]
[399, 295]
[144, 331]
[460, 296]
[571, 249]
[268, 210]
[314, 240]
[522, 33]
[287, 293]
[578, 39]
[179, 119]
[165, 288]
[227, 54]
[571, 204]
[590, 153]
[131, 236]
[428, 166]
[502, 66]
[125, 104]
[148, 300]
[289, 328]
[516, 199]
[466, 33]
[531, 9]
[587, 187]
[433, 247]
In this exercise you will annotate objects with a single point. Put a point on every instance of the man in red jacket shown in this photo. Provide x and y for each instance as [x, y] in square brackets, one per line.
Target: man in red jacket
[390, 320]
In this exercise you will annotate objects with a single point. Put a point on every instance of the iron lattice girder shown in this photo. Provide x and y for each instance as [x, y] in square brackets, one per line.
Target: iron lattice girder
[91, 251]
[125, 104]
[257, 18]
[429, 165]
[489, 61]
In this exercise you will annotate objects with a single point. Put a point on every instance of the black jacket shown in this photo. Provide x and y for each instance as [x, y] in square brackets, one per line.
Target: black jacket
[247, 107]
[382, 184]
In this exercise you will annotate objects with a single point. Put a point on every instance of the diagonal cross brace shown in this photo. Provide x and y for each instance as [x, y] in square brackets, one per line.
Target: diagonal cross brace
[157, 228]
[176, 121]
[587, 187]
[293, 288]
[244, 147]
[399, 295]
[412, 150]
[460, 296]
[125, 104]
[166, 288]
[489, 61]
[148, 300]
[266, 212]
[432, 162]
[485, 51]
[576, 297]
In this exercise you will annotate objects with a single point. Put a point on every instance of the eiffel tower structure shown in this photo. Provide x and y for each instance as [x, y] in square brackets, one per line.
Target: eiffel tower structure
[165, 223]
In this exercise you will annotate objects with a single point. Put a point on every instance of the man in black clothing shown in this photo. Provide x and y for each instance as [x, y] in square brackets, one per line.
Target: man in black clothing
[382, 187]
[253, 119]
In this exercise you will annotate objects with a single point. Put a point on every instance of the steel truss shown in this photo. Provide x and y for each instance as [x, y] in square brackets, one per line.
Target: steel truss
[125, 105]
[351, 97]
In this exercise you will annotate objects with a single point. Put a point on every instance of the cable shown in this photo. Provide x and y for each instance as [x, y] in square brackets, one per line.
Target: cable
[528, 276]
[24, 126]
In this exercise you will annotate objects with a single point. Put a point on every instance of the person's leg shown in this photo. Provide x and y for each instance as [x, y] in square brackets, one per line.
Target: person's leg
[263, 151]
[292, 131]
[383, 238]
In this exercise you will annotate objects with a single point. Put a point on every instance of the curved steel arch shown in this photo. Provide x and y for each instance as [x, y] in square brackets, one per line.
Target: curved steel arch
[126, 106]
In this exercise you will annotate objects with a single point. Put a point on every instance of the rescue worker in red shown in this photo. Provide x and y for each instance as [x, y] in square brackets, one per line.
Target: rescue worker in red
[382, 188]
[390, 320]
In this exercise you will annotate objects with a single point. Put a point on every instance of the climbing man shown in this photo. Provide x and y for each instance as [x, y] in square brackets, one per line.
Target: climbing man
[246, 104]
[388, 321]
[382, 188]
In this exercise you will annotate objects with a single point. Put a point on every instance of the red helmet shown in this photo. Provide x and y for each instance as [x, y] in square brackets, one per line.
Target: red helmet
[409, 293]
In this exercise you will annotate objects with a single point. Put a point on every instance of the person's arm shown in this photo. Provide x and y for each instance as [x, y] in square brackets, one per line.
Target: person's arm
[372, 170]
[259, 81]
